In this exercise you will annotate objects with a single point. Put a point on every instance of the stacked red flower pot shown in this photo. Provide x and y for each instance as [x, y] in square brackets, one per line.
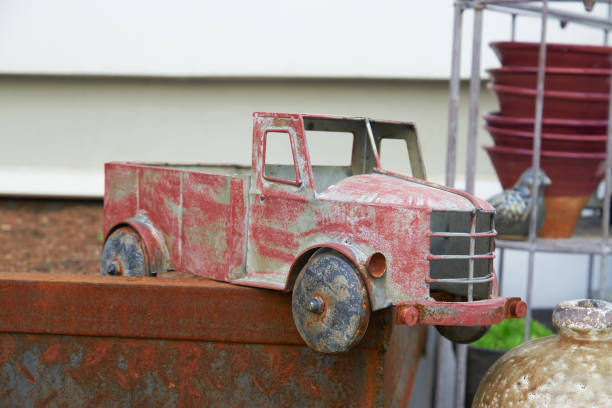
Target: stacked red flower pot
[574, 125]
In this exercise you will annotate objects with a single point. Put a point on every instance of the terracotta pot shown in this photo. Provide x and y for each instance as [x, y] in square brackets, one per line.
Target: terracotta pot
[515, 101]
[514, 53]
[573, 369]
[552, 142]
[574, 176]
[556, 79]
[562, 215]
[549, 125]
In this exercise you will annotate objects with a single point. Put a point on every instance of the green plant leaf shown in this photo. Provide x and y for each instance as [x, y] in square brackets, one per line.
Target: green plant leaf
[509, 334]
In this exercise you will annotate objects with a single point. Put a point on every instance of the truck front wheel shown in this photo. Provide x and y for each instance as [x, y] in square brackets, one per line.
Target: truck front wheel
[124, 253]
[330, 303]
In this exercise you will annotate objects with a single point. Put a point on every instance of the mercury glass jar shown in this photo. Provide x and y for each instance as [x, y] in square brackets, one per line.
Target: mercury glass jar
[573, 369]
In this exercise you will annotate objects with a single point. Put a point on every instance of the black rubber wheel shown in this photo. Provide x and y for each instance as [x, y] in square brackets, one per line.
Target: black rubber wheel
[330, 303]
[124, 253]
[462, 334]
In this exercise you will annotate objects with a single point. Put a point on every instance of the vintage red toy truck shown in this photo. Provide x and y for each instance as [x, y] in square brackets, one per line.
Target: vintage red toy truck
[345, 240]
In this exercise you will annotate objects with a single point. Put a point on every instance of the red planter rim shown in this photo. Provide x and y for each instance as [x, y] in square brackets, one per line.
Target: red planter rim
[594, 49]
[545, 153]
[498, 117]
[553, 70]
[552, 136]
[550, 94]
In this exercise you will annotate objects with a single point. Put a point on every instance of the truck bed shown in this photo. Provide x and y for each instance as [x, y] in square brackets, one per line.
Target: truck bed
[221, 169]
[324, 176]
[204, 207]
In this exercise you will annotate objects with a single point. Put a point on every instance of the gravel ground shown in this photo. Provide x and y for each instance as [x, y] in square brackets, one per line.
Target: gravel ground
[55, 236]
[50, 235]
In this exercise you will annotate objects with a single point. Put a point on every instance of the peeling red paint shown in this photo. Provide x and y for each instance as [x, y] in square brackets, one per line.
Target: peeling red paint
[486, 312]
[229, 224]
[120, 194]
[236, 230]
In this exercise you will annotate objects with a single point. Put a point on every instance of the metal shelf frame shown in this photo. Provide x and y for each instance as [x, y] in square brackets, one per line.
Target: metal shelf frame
[574, 245]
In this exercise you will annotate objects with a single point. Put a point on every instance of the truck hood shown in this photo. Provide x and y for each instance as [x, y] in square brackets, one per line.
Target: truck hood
[402, 191]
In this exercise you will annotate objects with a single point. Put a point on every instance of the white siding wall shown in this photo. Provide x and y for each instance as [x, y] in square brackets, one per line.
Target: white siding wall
[269, 38]
[58, 132]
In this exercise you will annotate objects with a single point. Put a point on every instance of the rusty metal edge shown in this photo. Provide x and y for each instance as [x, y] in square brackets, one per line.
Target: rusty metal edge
[162, 308]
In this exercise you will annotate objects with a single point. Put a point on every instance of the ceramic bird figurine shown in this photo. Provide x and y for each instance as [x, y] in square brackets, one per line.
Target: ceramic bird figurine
[513, 206]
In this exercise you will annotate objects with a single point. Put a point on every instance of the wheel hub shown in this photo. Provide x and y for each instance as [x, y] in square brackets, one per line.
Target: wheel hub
[113, 269]
[315, 305]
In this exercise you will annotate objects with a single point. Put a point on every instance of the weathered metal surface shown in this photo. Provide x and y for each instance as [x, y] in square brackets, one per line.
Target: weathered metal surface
[253, 229]
[131, 341]
[478, 313]
[124, 253]
[330, 304]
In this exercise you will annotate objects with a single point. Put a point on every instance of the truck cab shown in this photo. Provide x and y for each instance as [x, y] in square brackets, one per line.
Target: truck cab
[346, 240]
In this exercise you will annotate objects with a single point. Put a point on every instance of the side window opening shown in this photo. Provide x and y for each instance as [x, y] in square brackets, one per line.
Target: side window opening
[330, 148]
[394, 156]
[279, 157]
[330, 156]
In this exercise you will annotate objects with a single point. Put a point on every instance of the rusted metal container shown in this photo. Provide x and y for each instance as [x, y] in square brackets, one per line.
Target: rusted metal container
[125, 341]
[346, 240]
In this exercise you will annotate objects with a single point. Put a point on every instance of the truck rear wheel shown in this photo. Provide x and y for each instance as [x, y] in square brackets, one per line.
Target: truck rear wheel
[330, 303]
[124, 253]
[462, 334]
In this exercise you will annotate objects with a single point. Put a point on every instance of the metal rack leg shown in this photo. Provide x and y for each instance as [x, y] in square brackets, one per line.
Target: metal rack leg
[461, 352]
[537, 147]
[443, 383]
[602, 275]
[441, 387]
[606, 31]
[529, 296]
[461, 349]
[500, 271]
[474, 99]
[453, 106]
[605, 223]
[590, 277]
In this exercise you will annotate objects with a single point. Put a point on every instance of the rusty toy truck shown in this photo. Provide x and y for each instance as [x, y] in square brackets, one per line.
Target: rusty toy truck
[345, 240]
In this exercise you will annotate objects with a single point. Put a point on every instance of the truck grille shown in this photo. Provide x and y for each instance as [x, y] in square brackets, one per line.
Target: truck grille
[461, 254]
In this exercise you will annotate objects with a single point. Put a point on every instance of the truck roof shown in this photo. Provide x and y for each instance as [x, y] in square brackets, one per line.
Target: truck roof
[327, 117]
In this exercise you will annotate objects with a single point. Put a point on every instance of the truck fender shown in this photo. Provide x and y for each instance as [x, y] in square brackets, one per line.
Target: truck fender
[157, 251]
[345, 250]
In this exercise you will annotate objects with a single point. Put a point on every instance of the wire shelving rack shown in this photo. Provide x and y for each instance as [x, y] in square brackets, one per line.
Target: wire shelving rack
[591, 244]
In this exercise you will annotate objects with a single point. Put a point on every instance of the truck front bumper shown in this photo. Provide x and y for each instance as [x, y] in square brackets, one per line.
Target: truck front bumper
[477, 313]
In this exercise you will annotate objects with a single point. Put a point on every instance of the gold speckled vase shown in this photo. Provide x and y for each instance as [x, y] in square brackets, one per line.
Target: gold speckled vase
[573, 369]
